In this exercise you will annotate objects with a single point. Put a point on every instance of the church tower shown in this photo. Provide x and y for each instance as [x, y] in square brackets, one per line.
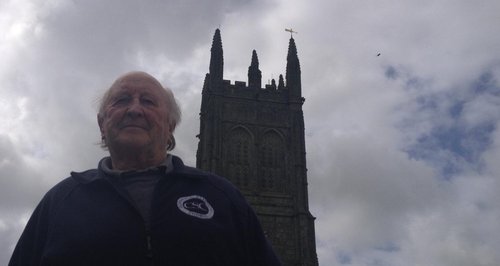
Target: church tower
[254, 136]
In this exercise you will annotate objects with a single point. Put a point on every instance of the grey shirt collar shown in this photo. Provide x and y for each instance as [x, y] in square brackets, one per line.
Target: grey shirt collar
[106, 166]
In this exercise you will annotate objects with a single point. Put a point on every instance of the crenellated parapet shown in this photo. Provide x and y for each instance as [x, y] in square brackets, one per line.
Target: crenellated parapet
[215, 82]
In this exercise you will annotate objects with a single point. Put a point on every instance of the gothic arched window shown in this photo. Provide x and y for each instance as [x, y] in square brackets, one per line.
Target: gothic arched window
[272, 161]
[239, 155]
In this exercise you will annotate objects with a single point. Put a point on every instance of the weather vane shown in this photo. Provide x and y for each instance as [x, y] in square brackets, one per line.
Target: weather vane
[291, 32]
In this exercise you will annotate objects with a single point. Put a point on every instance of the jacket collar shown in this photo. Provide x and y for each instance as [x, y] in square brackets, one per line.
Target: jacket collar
[179, 169]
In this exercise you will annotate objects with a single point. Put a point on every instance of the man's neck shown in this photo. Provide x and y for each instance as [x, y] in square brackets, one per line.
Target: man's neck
[136, 160]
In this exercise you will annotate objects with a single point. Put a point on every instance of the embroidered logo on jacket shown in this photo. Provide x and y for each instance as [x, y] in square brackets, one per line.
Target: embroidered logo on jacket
[196, 206]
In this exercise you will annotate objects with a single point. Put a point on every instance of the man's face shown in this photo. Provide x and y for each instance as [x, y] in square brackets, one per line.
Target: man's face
[136, 115]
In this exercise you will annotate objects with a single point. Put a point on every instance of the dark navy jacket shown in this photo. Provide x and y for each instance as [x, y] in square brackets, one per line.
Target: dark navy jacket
[196, 219]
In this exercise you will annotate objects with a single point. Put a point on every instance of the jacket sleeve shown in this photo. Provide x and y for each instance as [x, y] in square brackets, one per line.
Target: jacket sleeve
[261, 251]
[31, 245]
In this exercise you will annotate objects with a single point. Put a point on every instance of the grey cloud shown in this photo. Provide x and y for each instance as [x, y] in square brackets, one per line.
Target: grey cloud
[391, 72]
[459, 124]
[16, 175]
[21, 187]
[437, 76]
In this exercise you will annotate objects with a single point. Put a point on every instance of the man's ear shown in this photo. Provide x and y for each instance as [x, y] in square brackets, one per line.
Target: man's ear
[172, 127]
[100, 120]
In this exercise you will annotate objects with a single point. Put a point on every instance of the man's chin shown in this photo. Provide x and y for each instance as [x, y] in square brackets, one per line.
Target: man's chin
[132, 142]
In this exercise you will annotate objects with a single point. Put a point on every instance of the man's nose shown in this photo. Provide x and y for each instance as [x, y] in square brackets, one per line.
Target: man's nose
[135, 108]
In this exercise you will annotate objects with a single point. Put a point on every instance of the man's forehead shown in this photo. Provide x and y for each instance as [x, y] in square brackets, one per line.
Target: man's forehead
[135, 78]
[136, 82]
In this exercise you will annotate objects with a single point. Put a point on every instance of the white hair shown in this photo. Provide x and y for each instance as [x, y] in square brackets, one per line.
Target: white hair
[174, 112]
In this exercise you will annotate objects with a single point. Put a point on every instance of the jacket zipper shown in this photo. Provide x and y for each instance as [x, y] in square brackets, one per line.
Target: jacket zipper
[149, 253]
[149, 247]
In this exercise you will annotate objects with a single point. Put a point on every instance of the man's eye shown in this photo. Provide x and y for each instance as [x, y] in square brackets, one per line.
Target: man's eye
[148, 102]
[121, 101]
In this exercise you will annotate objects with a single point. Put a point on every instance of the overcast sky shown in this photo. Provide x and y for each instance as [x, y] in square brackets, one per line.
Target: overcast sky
[403, 149]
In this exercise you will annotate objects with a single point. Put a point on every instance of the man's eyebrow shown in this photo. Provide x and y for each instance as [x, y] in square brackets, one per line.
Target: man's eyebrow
[149, 94]
[120, 94]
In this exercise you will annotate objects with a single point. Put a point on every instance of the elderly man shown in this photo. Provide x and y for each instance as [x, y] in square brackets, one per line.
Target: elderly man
[142, 206]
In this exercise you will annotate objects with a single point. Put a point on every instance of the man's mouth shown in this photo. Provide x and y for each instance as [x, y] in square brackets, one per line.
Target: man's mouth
[133, 126]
